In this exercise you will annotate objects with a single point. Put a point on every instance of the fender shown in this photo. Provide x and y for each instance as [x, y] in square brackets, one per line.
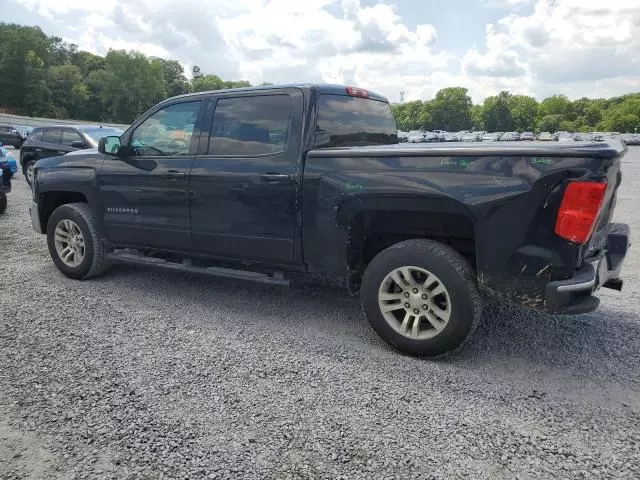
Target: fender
[67, 176]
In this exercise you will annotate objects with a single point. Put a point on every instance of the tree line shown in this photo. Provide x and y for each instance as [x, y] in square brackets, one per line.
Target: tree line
[44, 76]
[453, 110]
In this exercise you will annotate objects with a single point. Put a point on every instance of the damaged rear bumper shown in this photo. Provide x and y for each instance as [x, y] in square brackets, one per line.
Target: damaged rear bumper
[575, 295]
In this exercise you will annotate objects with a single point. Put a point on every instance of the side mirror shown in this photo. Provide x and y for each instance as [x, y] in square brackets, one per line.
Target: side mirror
[78, 144]
[109, 145]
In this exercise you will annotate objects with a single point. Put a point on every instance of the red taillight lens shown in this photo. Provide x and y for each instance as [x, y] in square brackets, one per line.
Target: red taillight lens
[357, 92]
[579, 210]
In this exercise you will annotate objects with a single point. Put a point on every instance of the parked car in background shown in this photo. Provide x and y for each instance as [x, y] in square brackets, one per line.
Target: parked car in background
[490, 137]
[5, 183]
[583, 137]
[403, 136]
[510, 137]
[527, 136]
[440, 135]
[564, 136]
[631, 138]
[546, 137]
[431, 137]
[470, 137]
[51, 141]
[451, 137]
[10, 135]
[416, 136]
[7, 156]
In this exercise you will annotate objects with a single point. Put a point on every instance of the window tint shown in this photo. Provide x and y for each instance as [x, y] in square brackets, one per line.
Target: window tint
[166, 132]
[349, 121]
[36, 135]
[51, 136]
[69, 136]
[250, 125]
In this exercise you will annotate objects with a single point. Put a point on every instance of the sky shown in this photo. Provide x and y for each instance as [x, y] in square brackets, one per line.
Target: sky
[533, 47]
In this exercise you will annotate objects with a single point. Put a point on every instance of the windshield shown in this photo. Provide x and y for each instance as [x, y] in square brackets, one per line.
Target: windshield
[354, 121]
[99, 132]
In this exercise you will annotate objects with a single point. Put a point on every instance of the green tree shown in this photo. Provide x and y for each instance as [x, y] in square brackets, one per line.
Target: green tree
[496, 113]
[68, 88]
[524, 111]
[451, 109]
[175, 83]
[550, 123]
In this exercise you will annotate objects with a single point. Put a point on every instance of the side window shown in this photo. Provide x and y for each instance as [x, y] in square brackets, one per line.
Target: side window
[70, 136]
[166, 132]
[36, 135]
[51, 135]
[250, 125]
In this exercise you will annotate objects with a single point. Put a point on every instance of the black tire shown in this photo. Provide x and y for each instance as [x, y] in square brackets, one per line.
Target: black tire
[94, 262]
[3, 202]
[25, 169]
[453, 271]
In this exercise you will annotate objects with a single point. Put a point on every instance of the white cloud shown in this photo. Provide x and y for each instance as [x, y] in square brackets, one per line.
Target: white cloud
[540, 47]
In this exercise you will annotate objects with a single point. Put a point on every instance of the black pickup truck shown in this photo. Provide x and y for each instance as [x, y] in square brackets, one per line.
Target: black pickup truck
[307, 183]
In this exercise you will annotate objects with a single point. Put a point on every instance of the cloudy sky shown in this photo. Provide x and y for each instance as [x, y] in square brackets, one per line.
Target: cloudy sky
[537, 47]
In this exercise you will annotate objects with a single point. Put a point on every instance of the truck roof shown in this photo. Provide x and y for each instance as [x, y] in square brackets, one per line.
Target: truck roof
[328, 88]
[608, 149]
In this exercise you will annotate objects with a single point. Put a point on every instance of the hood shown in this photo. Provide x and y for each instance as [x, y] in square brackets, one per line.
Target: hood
[85, 151]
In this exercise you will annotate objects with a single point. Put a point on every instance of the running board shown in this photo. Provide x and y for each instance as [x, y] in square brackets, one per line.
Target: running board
[277, 278]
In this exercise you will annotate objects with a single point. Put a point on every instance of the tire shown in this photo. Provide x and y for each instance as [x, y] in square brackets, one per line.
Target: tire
[446, 298]
[28, 164]
[70, 219]
[3, 202]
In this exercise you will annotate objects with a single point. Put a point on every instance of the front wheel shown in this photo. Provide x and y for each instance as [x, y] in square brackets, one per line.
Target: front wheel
[28, 171]
[421, 297]
[74, 242]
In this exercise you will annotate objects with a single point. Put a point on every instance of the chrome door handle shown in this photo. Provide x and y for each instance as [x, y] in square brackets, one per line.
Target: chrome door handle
[174, 174]
[274, 177]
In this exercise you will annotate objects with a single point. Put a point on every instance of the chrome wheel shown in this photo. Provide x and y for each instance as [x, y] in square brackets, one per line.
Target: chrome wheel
[414, 302]
[69, 243]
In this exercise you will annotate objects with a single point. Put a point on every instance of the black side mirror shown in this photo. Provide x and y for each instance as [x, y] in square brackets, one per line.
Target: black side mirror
[109, 145]
[78, 144]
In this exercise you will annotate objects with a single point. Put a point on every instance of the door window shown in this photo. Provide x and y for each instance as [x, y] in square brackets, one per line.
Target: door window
[52, 135]
[69, 136]
[167, 132]
[251, 125]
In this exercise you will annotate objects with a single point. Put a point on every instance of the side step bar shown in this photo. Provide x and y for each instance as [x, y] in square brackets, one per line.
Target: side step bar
[277, 278]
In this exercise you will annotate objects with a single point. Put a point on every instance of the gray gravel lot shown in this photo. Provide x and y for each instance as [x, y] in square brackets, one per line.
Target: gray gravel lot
[153, 374]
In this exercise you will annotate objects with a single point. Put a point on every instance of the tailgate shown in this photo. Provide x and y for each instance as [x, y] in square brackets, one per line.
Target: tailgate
[598, 238]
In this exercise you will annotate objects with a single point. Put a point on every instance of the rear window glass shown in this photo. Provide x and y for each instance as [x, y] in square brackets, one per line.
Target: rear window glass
[353, 121]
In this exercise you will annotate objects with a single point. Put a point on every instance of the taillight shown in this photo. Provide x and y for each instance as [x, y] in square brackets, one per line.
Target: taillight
[579, 210]
[357, 92]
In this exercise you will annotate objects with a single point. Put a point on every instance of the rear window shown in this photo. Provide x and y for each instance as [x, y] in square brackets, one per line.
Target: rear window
[354, 121]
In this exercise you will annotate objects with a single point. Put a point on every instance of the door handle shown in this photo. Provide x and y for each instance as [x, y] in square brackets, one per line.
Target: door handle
[274, 177]
[174, 174]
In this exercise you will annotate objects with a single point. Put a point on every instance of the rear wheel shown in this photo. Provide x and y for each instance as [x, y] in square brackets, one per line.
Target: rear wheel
[74, 243]
[421, 297]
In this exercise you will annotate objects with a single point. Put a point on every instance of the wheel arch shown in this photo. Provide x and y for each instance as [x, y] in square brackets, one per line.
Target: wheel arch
[383, 222]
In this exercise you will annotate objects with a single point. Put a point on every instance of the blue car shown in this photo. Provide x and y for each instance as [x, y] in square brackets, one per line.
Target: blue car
[7, 156]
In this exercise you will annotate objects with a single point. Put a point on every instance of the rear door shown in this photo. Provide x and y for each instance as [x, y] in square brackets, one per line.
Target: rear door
[49, 144]
[244, 180]
[145, 195]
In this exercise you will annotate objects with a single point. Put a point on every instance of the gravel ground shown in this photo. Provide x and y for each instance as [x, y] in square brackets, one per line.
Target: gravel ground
[153, 374]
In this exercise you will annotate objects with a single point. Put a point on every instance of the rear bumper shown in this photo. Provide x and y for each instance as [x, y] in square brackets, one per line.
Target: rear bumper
[575, 294]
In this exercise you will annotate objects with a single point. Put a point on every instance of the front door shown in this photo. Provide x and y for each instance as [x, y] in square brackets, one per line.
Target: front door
[145, 195]
[244, 179]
